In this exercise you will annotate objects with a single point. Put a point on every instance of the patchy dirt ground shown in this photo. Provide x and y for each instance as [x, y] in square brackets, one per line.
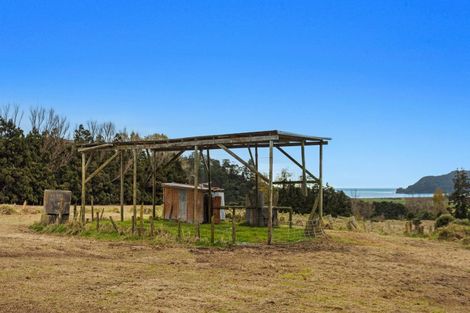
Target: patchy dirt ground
[352, 272]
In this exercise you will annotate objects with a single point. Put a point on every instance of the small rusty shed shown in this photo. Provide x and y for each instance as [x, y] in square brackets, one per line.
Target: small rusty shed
[178, 203]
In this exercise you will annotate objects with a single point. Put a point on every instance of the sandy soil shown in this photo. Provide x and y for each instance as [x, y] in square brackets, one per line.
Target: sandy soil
[352, 272]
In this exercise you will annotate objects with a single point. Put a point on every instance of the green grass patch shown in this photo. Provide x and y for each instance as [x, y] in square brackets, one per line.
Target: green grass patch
[166, 232]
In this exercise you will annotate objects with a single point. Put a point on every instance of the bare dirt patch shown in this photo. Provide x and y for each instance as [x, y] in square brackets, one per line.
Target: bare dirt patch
[352, 272]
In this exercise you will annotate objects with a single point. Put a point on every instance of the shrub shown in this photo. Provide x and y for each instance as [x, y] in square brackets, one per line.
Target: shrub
[426, 215]
[464, 221]
[7, 210]
[443, 220]
[390, 210]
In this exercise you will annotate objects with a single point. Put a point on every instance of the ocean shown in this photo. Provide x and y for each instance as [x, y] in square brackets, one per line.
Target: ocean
[364, 193]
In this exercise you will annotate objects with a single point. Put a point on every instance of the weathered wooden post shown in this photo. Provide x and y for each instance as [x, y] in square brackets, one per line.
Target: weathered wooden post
[234, 233]
[209, 180]
[121, 195]
[114, 225]
[256, 179]
[290, 217]
[212, 230]
[304, 174]
[152, 227]
[154, 184]
[179, 230]
[270, 207]
[82, 204]
[92, 207]
[320, 178]
[134, 185]
[133, 225]
[141, 228]
[196, 182]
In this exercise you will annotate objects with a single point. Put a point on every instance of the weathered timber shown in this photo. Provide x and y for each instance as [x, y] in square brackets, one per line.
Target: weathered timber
[235, 156]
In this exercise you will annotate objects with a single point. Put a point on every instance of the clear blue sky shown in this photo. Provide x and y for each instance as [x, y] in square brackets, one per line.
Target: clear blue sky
[388, 80]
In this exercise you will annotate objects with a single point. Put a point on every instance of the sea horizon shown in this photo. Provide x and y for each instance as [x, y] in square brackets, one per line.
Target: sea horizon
[380, 192]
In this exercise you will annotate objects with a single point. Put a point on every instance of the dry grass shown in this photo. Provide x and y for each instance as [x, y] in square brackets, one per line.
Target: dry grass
[351, 272]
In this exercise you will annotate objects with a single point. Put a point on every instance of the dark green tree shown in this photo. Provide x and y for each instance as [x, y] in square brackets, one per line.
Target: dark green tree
[460, 198]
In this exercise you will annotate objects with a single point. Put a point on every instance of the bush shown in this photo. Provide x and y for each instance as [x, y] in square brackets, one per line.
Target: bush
[464, 221]
[426, 215]
[390, 210]
[443, 220]
[7, 210]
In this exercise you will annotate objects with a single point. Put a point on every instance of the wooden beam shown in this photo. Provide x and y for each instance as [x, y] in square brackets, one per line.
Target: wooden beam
[154, 184]
[209, 181]
[256, 177]
[243, 162]
[206, 167]
[304, 176]
[82, 208]
[134, 185]
[173, 159]
[121, 193]
[89, 160]
[296, 163]
[196, 183]
[320, 204]
[102, 166]
[251, 155]
[270, 204]
[294, 182]
[98, 147]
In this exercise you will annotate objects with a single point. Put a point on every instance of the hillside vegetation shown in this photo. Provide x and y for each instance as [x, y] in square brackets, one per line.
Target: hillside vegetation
[429, 184]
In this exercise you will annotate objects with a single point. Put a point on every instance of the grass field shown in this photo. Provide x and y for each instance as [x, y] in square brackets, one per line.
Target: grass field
[350, 272]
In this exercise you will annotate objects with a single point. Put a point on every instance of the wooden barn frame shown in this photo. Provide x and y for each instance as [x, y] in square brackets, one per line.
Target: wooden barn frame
[250, 140]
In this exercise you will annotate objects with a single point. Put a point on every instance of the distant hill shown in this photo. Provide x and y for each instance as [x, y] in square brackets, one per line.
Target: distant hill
[428, 184]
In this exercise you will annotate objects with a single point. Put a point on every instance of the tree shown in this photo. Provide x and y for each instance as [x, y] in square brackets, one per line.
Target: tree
[438, 200]
[15, 160]
[460, 198]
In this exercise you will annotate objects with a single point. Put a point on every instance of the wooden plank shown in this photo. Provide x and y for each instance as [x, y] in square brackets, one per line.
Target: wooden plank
[154, 183]
[209, 180]
[294, 182]
[296, 163]
[102, 166]
[304, 176]
[134, 185]
[196, 182]
[244, 162]
[181, 144]
[98, 147]
[270, 204]
[256, 177]
[320, 204]
[82, 209]
[121, 192]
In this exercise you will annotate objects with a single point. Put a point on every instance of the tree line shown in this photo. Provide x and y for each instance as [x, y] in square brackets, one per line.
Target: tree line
[46, 157]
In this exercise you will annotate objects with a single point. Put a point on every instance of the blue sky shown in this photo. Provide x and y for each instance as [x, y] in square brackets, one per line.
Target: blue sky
[388, 80]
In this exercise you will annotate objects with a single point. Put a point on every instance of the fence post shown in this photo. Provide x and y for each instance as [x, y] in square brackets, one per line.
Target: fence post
[133, 224]
[290, 218]
[141, 228]
[92, 208]
[234, 232]
[212, 229]
[152, 227]
[179, 230]
[114, 225]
